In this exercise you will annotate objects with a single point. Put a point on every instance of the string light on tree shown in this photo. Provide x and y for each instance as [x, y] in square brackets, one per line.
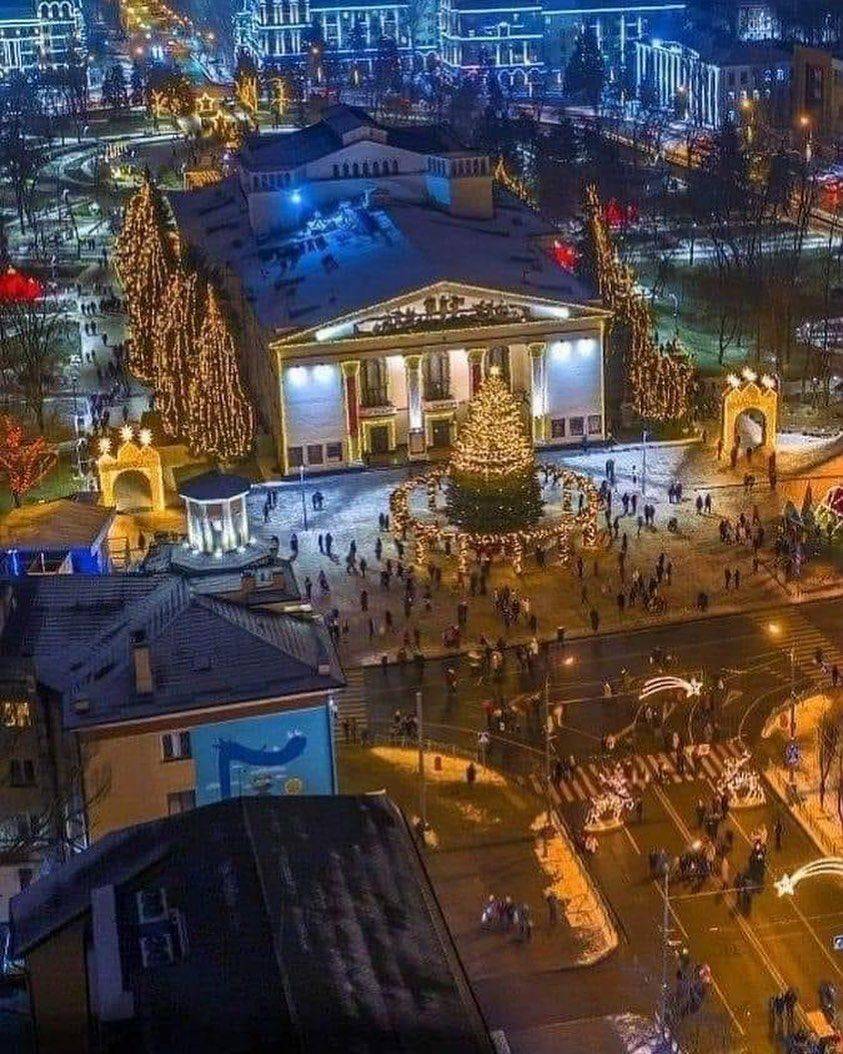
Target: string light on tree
[24, 460]
[175, 337]
[222, 423]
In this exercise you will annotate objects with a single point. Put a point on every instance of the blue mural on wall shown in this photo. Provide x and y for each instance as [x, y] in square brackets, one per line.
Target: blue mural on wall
[287, 753]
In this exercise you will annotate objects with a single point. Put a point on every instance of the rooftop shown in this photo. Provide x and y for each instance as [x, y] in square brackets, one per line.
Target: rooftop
[358, 254]
[310, 924]
[59, 524]
[80, 633]
[214, 486]
[270, 151]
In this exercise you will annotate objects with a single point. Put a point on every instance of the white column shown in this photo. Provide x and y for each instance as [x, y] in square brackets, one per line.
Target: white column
[228, 539]
[415, 414]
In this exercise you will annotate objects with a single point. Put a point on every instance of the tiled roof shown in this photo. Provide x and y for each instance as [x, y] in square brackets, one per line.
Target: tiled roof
[310, 921]
[203, 651]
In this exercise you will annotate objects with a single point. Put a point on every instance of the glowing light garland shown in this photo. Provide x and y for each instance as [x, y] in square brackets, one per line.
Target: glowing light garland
[660, 377]
[23, 461]
[827, 865]
[667, 684]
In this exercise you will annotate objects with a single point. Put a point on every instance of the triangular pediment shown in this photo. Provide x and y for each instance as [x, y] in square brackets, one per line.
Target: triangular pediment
[441, 306]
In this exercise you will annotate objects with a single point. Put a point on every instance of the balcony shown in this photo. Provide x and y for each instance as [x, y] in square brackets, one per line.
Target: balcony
[373, 397]
[438, 392]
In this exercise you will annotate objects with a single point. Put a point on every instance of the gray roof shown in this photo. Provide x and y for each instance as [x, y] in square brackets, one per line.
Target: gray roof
[379, 252]
[214, 486]
[203, 651]
[270, 151]
[311, 926]
[59, 524]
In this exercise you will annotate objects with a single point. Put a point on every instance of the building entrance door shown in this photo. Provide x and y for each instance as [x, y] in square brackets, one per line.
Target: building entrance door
[441, 433]
[379, 439]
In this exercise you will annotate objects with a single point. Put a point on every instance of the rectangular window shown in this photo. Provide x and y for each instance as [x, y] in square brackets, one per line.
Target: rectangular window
[180, 801]
[595, 424]
[577, 426]
[314, 454]
[557, 428]
[25, 876]
[333, 451]
[175, 746]
[295, 456]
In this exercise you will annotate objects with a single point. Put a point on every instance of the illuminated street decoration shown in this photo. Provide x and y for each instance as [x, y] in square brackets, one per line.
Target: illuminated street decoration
[605, 812]
[745, 394]
[24, 461]
[829, 513]
[18, 288]
[667, 684]
[741, 783]
[493, 459]
[131, 456]
[661, 377]
[827, 865]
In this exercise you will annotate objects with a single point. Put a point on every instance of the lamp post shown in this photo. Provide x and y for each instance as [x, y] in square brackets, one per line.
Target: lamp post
[645, 435]
[422, 780]
[303, 502]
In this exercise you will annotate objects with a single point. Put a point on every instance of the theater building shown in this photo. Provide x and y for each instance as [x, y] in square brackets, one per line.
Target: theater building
[378, 279]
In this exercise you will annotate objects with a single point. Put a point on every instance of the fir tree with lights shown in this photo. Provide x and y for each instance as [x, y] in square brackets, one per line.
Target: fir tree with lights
[177, 388]
[222, 422]
[492, 484]
[145, 261]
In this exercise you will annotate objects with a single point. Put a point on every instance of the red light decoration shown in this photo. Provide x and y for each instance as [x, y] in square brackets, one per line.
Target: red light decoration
[565, 255]
[18, 288]
[617, 215]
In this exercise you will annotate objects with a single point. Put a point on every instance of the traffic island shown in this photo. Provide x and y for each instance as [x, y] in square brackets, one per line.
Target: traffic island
[489, 838]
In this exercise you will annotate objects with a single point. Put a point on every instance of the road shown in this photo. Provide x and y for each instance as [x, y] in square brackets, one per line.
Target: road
[783, 942]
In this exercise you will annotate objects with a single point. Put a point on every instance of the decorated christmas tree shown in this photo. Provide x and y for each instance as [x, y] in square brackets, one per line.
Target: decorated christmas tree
[492, 485]
[145, 261]
[177, 389]
[222, 422]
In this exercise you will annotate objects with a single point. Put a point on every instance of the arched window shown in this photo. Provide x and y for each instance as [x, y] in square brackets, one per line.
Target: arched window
[395, 168]
[345, 169]
[45, 11]
[376, 168]
[355, 170]
[54, 11]
[336, 171]
[365, 168]
[65, 10]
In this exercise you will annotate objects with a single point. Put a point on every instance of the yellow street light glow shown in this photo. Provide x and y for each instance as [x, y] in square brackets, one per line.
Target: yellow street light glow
[774, 629]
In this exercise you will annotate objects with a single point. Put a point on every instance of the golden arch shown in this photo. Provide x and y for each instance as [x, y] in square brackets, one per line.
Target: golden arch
[132, 458]
[749, 395]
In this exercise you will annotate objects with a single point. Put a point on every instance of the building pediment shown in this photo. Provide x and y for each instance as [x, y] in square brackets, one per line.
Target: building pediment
[444, 307]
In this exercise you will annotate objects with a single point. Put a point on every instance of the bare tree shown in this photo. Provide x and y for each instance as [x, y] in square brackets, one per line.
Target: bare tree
[30, 350]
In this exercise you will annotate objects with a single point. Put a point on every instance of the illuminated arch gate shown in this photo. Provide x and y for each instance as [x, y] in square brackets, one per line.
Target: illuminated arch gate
[746, 394]
[131, 457]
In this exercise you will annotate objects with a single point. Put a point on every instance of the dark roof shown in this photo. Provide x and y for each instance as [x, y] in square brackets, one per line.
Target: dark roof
[382, 251]
[203, 651]
[56, 525]
[576, 7]
[274, 150]
[214, 486]
[748, 53]
[311, 925]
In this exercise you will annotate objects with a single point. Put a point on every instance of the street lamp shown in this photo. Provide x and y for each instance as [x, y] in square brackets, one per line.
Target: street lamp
[805, 123]
[774, 629]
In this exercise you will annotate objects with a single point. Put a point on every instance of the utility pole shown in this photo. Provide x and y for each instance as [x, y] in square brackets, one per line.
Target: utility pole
[548, 727]
[422, 784]
[303, 502]
[644, 436]
[665, 948]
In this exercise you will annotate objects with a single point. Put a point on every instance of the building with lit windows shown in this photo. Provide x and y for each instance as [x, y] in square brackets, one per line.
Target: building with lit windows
[818, 90]
[279, 33]
[617, 24]
[713, 87]
[505, 36]
[38, 35]
[757, 21]
[378, 279]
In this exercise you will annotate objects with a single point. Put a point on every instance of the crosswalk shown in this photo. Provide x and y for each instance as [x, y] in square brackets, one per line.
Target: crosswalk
[585, 783]
[351, 700]
[794, 630]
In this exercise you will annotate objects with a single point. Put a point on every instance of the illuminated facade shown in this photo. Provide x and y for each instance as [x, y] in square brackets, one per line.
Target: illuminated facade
[713, 89]
[378, 281]
[38, 35]
[502, 35]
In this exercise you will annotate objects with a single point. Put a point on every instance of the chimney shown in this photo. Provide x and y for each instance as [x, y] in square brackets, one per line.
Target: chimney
[111, 1002]
[143, 668]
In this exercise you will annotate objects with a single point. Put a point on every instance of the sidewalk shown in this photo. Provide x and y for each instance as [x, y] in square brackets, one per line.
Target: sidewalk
[820, 822]
[487, 839]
